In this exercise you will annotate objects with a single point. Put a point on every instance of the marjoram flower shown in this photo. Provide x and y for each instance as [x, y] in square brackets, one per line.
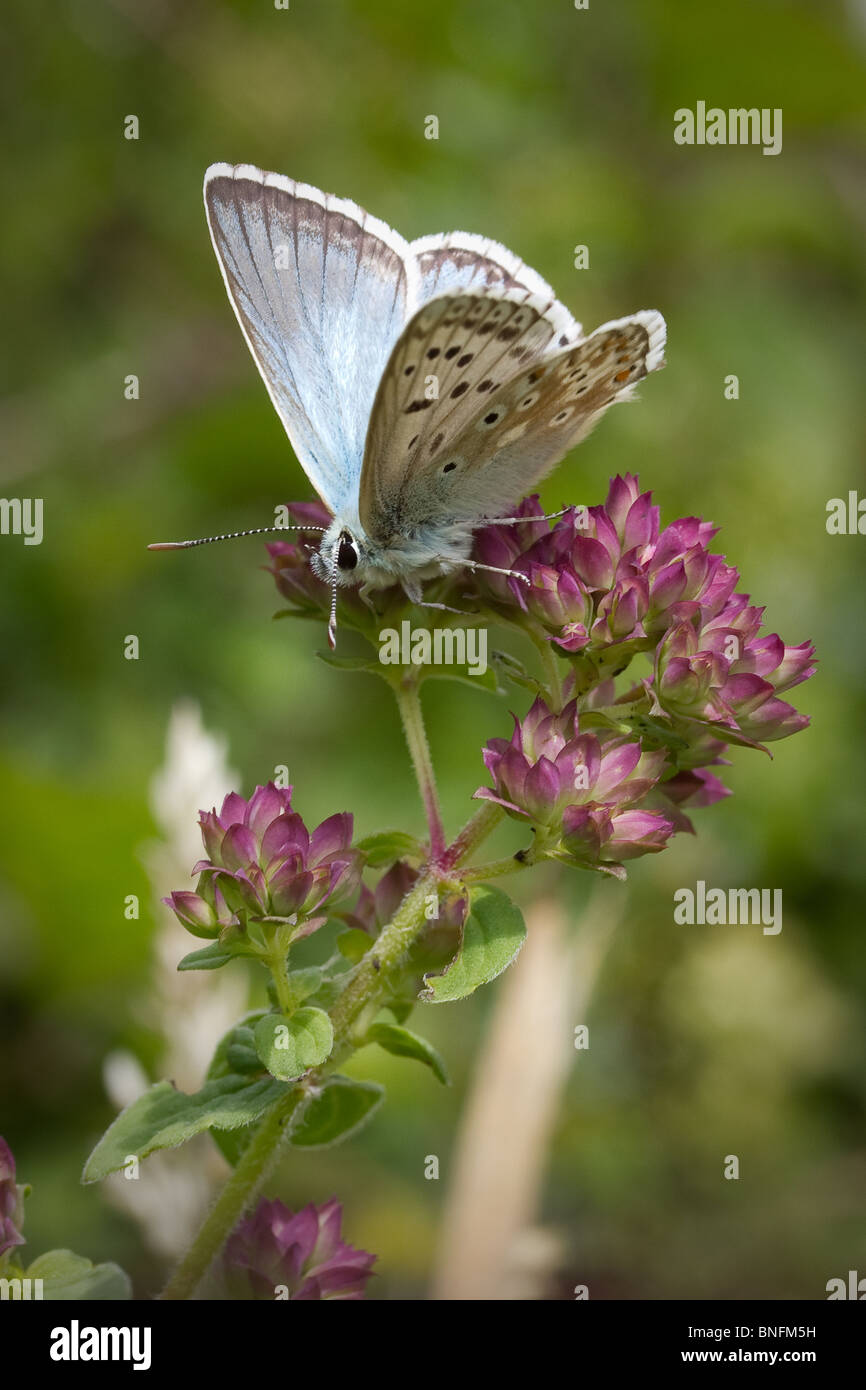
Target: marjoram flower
[10, 1201]
[606, 583]
[276, 1253]
[577, 789]
[264, 865]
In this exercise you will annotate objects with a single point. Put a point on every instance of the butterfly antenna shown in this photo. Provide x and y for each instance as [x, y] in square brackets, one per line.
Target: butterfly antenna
[332, 620]
[230, 536]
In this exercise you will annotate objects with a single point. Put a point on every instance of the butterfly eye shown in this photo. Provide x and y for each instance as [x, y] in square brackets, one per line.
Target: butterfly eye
[347, 555]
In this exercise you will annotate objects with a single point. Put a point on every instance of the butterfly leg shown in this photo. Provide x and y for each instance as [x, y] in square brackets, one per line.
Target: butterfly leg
[513, 520]
[497, 569]
[413, 593]
[444, 608]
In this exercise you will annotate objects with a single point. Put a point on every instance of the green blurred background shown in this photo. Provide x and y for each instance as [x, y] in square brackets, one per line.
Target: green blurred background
[556, 128]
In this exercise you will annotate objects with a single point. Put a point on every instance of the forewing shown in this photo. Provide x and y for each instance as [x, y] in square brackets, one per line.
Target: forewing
[453, 357]
[321, 291]
[525, 424]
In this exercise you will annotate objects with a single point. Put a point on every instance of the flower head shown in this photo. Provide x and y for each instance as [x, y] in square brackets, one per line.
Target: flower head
[607, 582]
[578, 789]
[263, 863]
[10, 1201]
[726, 674]
[299, 1252]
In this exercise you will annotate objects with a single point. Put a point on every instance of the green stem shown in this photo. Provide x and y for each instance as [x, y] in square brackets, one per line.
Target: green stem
[495, 868]
[277, 961]
[240, 1190]
[476, 830]
[370, 979]
[409, 705]
[551, 670]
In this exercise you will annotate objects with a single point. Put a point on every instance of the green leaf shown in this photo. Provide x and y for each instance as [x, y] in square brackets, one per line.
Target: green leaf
[352, 663]
[290, 1046]
[305, 982]
[721, 731]
[484, 680]
[493, 935]
[387, 846]
[239, 1035]
[353, 944]
[68, 1277]
[341, 1108]
[209, 958]
[655, 730]
[514, 670]
[243, 1058]
[234, 1056]
[402, 1043]
[164, 1117]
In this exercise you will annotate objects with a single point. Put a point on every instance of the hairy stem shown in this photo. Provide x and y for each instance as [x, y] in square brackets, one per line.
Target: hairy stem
[240, 1190]
[474, 832]
[495, 868]
[277, 961]
[551, 670]
[409, 705]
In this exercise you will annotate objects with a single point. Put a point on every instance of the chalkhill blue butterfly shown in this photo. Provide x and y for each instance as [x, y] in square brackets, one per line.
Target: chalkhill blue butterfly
[425, 386]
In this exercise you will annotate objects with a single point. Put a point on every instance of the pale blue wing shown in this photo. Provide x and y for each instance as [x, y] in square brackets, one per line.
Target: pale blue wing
[321, 291]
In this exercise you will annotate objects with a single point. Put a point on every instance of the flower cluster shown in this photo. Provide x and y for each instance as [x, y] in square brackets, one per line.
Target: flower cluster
[264, 865]
[578, 789]
[10, 1201]
[605, 584]
[300, 1254]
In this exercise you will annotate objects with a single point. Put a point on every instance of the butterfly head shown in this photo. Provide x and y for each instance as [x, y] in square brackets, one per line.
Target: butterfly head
[340, 557]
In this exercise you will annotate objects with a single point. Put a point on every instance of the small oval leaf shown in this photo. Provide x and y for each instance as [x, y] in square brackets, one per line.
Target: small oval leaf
[339, 1109]
[402, 1043]
[67, 1278]
[212, 957]
[290, 1046]
[492, 936]
[387, 846]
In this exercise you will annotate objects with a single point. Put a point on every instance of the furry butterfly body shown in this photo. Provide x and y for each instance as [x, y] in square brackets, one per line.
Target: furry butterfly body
[425, 386]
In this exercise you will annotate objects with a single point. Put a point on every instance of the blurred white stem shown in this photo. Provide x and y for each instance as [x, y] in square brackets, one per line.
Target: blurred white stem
[499, 1164]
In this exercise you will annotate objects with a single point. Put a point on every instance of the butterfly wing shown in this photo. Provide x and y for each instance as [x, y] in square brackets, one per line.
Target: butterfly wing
[321, 291]
[511, 403]
[459, 263]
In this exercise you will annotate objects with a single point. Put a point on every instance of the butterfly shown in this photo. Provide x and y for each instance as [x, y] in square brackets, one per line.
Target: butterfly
[425, 386]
